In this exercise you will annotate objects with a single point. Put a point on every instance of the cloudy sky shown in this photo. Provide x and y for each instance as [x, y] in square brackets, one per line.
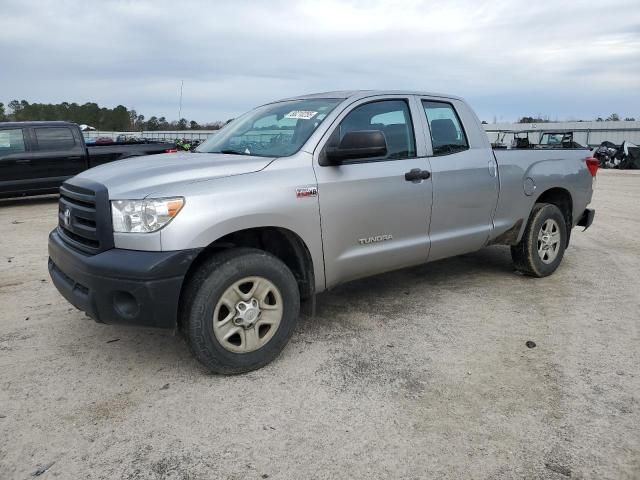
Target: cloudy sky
[565, 60]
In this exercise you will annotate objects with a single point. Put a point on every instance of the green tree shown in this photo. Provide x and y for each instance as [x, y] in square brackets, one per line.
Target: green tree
[133, 116]
[533, 120]
[15, 107]
[140, 122]
[118, 118]
[163, 124]
[152, 123]
[614, 117]
[91, 115]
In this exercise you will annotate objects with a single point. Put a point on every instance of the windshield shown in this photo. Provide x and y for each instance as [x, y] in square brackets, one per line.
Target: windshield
[275, 130]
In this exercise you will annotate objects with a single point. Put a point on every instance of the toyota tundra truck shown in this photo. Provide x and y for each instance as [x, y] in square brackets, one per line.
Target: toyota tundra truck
[296, 197]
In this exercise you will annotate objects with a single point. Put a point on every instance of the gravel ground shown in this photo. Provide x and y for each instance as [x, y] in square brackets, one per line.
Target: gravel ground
[420, 373]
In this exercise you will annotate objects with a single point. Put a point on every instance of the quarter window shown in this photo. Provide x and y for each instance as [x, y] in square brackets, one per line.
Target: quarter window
[392, 117]
[447, 134]
[11, 141]
[55, 138]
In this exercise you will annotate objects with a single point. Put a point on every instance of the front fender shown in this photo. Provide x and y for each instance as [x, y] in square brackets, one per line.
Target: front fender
[262, 199]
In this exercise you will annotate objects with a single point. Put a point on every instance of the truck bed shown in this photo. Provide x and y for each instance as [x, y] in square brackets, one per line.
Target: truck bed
[100, 154]
[524, 174]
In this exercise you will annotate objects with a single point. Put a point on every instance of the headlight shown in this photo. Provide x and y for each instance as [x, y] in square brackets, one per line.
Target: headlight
[143, 216]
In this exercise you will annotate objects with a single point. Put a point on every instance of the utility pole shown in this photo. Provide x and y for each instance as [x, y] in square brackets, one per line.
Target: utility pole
[180, 107]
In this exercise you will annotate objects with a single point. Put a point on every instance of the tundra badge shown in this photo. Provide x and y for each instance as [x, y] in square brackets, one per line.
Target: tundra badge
[374, 239]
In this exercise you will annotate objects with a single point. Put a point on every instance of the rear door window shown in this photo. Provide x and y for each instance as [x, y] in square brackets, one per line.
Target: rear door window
[11, 141]
[54, 138]
[447, 134]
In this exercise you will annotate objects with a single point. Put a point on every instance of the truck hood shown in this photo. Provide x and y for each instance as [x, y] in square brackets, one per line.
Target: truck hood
[143, 176]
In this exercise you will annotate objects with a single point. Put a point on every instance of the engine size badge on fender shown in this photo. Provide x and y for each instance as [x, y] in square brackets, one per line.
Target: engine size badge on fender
[304, 192]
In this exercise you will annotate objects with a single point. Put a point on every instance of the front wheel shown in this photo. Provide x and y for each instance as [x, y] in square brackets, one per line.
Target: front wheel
[542, 246]
[239, 310]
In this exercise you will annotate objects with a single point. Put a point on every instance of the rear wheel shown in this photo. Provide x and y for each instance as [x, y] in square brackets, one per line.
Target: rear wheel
[542, 246]
[240, 309]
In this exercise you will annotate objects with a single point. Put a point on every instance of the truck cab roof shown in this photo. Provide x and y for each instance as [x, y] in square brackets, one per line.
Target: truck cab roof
[39, 123]
[357, 94]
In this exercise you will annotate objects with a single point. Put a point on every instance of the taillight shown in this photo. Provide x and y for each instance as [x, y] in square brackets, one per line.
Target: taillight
[592, 165]
[175, 150]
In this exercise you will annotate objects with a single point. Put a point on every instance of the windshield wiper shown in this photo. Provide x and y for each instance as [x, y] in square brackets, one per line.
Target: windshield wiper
[232, 152]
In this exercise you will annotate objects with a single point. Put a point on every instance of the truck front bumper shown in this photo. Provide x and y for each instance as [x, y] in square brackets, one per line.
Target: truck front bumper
[121, 286]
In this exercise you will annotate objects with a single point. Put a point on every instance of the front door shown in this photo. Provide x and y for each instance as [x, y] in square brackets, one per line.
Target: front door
[373, 218]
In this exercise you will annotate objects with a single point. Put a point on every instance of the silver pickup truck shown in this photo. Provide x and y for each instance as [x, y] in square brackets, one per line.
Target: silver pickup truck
[296, 197]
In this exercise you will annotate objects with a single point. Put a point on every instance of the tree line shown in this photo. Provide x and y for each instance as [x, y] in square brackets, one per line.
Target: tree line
[118, 118]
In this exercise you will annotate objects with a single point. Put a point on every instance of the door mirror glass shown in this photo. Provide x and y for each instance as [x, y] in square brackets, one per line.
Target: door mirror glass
[357, 144]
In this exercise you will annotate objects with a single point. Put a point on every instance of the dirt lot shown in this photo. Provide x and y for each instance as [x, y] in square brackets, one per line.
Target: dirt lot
[420, 373]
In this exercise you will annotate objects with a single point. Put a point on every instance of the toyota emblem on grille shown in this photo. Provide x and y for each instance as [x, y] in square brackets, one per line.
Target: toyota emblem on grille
[67, 217]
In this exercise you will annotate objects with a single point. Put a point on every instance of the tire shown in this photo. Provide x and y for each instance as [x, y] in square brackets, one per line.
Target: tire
[218, 283]
[527, 256]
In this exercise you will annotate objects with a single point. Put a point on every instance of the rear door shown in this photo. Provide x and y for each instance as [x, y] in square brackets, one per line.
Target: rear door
[373, 219]
[58, 154]
[15, 160]
[465, 178]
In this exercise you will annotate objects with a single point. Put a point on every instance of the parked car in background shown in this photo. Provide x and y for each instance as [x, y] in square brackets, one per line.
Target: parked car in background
[103, 141]
[296, 197]
[36, 157]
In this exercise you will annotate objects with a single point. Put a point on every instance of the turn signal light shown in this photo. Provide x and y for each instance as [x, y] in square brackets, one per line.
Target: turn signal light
[592, 165]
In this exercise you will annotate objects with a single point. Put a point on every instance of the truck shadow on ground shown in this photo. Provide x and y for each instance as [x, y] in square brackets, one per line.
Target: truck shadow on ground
[457, 274]
[157, 349]
[28, 201]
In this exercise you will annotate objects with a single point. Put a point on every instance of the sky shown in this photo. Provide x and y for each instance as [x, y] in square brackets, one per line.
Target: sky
[565, 60]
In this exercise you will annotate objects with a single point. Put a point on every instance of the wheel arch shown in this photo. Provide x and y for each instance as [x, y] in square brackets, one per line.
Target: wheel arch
[561, 198]
[280, 242]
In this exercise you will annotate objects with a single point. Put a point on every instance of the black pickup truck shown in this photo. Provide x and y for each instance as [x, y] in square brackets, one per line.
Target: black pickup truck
[36, 157]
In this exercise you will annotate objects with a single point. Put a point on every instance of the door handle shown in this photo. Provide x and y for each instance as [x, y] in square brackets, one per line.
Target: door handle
[415, 175]
[23, 160]
[74, 158]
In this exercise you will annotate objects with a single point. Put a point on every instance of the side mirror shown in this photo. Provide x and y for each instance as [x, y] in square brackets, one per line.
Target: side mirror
[356, 145]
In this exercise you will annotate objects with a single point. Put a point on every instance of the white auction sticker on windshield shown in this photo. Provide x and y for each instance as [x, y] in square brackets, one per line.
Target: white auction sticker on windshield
[302, 114]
